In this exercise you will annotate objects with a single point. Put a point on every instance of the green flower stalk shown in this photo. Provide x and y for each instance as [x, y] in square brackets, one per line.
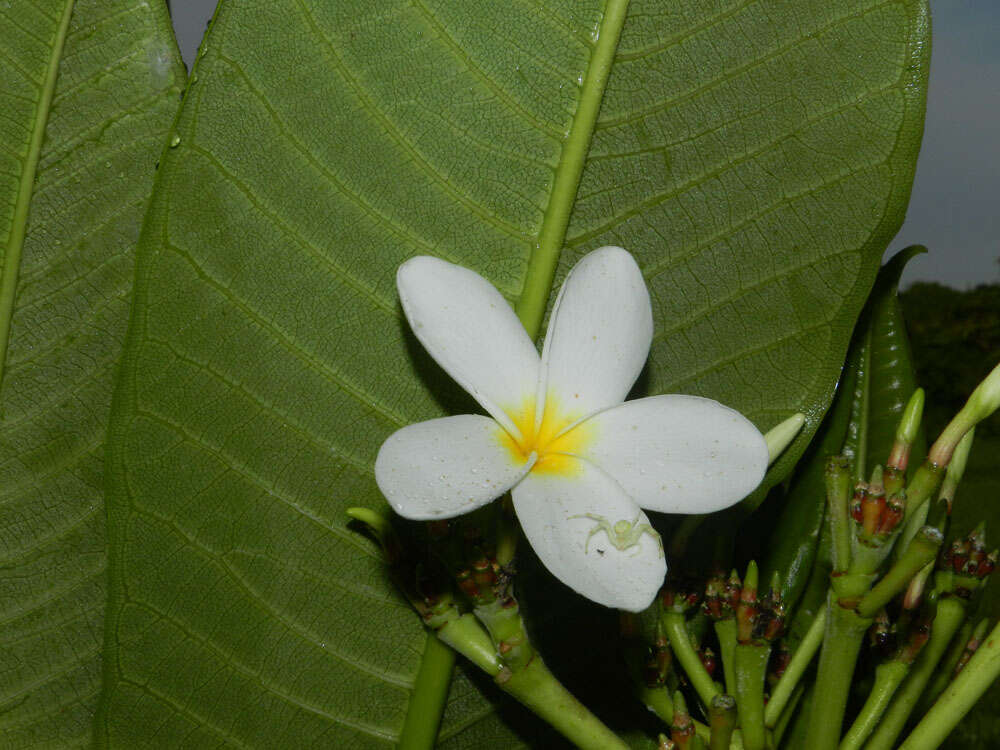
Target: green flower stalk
[980, 405]
[680, 642]
[721, 597]
[983, 668]
[950, 615]
[838, 493]
[971, 646]
[963, 646]
[888, 677]
[502, 649]
[722, 721]
[956, 468]
[758, 623]
[800, 661]
[922, 550]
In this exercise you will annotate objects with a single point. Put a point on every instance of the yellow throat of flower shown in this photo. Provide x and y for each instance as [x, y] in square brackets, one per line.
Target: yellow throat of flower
[546, 442]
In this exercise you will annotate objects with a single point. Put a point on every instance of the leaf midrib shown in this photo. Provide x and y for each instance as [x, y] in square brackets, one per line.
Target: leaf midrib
[544, 258]
[545, 255]
[12, 254]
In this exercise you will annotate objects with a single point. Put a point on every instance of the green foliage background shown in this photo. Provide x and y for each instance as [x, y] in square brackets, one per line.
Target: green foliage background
[756, 157]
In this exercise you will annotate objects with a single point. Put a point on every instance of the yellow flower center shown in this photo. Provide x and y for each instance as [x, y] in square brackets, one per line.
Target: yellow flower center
[546, 441]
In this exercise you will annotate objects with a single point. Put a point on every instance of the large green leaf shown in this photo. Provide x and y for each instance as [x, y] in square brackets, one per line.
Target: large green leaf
[87, 94]
[754, 156]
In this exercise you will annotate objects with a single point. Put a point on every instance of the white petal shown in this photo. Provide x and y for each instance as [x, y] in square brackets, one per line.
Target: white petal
[569, 518]
[471, 331]
[599, 334]
[447, 467]
[678, 454]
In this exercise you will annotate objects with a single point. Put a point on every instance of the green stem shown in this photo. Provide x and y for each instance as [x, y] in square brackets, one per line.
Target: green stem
[983, 668]
[721, 721]
[508, 532]
[430, 690]
[725, 631]
[532, 683]
[800, 661]
[845, 630]
[536, 687]
[658, 701]
[922, 550]
[925, 483]
[947, 621]
[502, 619]
[785, 720]
[680, 643]
[468, 638]
[943, 674]
[751, 668]
[887, 679]
[837, 480]
[542, 265]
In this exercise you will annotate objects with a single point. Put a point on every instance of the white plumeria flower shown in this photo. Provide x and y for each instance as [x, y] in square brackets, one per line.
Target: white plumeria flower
[579, 462]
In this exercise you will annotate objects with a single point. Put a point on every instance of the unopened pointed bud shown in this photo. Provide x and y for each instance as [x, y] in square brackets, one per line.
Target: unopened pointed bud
[906, 432]
[982, 403]
[956, 468]
[915, 591]
[781, 436]
[747, 611]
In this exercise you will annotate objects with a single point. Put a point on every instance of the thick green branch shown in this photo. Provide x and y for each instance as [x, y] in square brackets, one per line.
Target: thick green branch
[844, 633]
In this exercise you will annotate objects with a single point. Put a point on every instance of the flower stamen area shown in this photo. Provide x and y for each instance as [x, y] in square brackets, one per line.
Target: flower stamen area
[553, 447]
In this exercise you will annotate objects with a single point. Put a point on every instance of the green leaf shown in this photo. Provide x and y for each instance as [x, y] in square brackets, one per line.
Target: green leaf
[793, 545]
[887, 377]
[755, 157]
[877, 380]
[87, 92]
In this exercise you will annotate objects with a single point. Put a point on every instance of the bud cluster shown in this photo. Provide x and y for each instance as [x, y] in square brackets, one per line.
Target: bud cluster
[878, 509]
[759, 618]
[721, 596]
[680, 595]
[966, 563]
